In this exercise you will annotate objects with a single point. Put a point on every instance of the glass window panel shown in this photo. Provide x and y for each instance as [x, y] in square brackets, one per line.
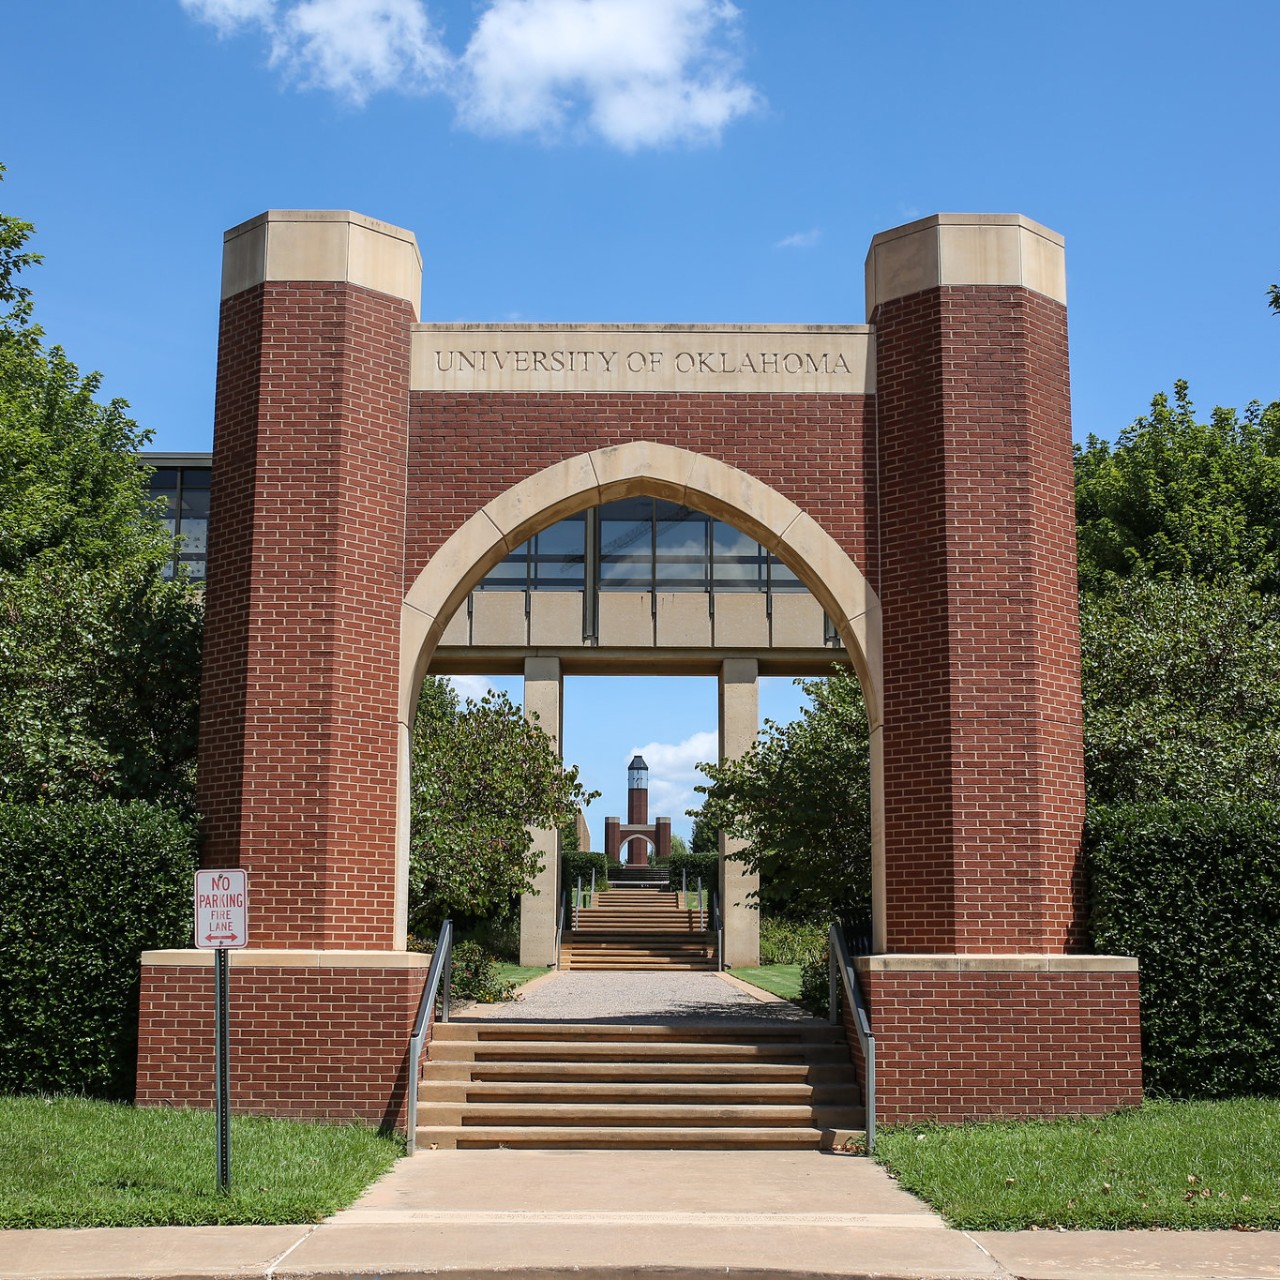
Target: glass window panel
[681, 536]
[193, 524]
[781, 578]
[168, 515]
[565, 538]
[163, 478]
[508, 574]
[196, 477]
[194, 567]
[739, 560]
[626, 545]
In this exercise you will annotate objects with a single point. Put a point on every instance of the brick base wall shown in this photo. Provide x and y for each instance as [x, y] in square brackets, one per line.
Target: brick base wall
[307, 1043]
[979, 1045]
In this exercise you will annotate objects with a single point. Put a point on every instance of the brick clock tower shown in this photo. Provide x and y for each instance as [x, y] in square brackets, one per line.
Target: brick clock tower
[914, 472]
[634, 838]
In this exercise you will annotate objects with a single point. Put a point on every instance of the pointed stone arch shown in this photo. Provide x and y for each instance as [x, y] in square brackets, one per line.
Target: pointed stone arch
[620, 471]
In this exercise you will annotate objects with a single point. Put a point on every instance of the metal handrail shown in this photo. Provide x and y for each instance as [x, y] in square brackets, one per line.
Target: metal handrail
[441, 971]
[717, 923]
[577, 903]
[841, 963]
[564, 908]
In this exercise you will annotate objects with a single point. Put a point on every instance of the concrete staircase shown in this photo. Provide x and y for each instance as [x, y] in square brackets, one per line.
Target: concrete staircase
[630, 928]
[707, 1086]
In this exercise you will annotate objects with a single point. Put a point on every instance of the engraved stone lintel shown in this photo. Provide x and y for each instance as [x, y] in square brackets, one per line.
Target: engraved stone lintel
[813, 360]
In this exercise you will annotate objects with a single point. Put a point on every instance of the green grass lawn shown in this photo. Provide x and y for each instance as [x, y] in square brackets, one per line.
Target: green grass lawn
[1165, 1164]
[518, 974]
[782, 979]
[71, 1162]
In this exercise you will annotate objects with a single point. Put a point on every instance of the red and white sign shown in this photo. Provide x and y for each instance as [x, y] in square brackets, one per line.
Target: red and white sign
[222, 909]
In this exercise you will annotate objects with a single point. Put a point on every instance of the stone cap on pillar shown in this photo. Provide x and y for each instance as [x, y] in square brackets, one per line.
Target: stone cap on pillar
[965, 248]
[322, 245]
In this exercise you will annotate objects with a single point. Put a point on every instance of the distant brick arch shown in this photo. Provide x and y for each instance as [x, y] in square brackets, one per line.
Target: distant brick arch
[366, 467]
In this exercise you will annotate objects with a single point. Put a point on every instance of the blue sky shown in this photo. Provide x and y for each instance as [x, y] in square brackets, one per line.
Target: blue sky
[652, 160]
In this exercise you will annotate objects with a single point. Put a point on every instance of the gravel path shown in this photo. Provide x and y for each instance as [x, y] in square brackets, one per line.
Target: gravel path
[634, 998]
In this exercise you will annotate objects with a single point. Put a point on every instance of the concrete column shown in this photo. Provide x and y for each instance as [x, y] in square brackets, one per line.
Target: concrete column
[543, 697]
[739, 723]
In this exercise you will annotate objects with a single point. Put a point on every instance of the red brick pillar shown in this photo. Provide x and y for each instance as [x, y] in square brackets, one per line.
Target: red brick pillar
[298, 735]
[983, 772]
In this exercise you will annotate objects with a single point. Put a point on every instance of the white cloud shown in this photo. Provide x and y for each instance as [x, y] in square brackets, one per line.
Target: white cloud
[474, 687]
[229, 15]
[800, 240]
[637, 73]
[356, 48]
[673, 771]
[643, 72]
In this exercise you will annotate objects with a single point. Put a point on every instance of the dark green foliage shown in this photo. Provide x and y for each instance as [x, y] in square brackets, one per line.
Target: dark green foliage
[704, 838]
[581, 863]
[785, 941]
[475, 975]
[482, 775]
[569, 836]
[800, 800]
[679, 846]
[815, 983]
[1178, 498]
[99, 654]
[1181, 691]
[1193, 890]
[86, 889]
[706, 865]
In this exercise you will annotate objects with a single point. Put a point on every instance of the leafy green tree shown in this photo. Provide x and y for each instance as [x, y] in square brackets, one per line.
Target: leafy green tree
[99, 653]
[1178, 498]
[704, 838]
[679, 849]
[482, 775]
[1273, 297]
[1181, 691]
[800, 800]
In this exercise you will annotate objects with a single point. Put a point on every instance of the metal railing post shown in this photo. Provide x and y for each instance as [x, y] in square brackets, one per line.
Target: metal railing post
[440, 970]
[839, 952]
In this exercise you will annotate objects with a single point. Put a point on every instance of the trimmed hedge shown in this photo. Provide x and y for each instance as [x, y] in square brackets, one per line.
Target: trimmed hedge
[1193, 890]
[84, 890]
[790, 941]
[706, 865]
[581, 862]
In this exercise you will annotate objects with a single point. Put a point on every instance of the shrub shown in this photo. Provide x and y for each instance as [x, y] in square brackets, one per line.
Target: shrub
[706, 865]
[581, 862]
[86, 889]
[475, 975]
[790, 941]
[815, 983]
[1193, 890]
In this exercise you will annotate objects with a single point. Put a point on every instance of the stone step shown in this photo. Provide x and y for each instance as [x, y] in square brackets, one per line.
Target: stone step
[730, 1031]
[545, 1051]
[639, 1115]
[635, 1092]
[580, 1137]
[579, 1074]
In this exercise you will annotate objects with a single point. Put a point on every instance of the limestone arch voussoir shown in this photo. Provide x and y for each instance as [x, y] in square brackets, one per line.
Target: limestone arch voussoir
[619, 471]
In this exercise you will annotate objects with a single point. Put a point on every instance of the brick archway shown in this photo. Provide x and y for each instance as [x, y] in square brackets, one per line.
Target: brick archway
[356, 449]
[695, 480]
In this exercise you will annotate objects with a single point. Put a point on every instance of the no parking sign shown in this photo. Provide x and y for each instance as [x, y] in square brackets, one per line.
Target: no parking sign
[222, 909]
[222, 923]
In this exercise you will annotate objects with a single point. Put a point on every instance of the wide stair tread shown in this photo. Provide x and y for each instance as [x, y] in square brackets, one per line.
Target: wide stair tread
[745, 1084]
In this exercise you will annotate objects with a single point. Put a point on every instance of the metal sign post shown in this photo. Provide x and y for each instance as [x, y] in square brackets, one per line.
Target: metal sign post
[222, 924]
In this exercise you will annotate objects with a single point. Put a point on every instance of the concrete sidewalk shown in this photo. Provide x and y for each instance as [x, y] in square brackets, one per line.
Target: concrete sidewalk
[546, 1214]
